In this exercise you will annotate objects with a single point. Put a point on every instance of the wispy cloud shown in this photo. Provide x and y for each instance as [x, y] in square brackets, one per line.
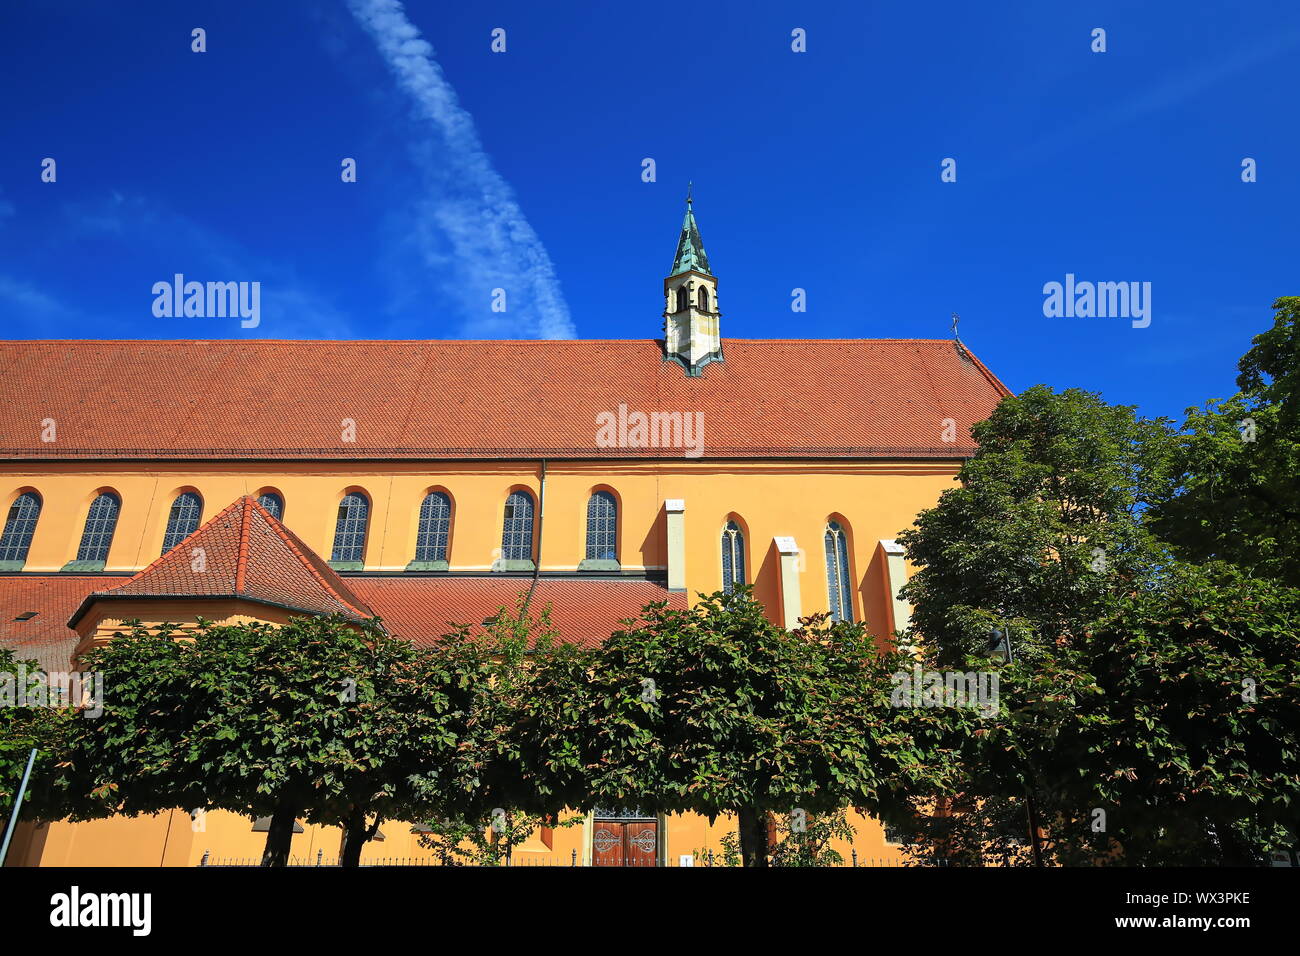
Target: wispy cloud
[471, 225]
[29, 302]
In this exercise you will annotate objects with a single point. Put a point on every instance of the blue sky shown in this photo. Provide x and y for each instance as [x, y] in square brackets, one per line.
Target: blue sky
[523, 169]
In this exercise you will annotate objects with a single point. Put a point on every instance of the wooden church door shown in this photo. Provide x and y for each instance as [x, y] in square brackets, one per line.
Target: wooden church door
[624, 838]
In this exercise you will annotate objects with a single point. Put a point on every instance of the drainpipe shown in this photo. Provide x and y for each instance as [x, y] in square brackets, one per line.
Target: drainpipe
[541, 520]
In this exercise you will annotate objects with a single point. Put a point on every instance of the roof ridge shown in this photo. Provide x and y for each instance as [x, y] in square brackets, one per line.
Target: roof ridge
[414, 342]
[993, 379]
[241, 564]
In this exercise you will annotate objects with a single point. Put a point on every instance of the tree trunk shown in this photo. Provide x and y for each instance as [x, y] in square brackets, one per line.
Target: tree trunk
[356, 835]
[752, 826]
[280, 835]
[1035, 834]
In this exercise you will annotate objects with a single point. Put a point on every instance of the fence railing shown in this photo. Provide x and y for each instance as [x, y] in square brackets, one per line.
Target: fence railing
[709, 859]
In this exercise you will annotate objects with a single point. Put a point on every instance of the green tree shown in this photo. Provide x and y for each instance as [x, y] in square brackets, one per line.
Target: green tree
[806, 841]
[1196, 726]
[485, 842]
[323, 719]
[1231, 488]
[487, 825]
[1044, 530]
[1165, 733]
[714, 710]
[1124, 693]
[27, 723]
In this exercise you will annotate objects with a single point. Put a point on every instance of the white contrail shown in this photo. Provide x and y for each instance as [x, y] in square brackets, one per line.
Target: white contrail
[493, 245]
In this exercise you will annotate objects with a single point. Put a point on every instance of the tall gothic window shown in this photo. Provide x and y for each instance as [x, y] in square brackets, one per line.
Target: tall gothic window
[683, 298]
[435, 527]
[704, 299]
[350, 529]
[20, 525]
[517, 533]
[182, 520]
[602, 527]
[273, 503]
[838, 583]
[101, 522]
[733, 557]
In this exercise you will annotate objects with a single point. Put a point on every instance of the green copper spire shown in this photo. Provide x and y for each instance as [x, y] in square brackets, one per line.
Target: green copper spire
[690, 247]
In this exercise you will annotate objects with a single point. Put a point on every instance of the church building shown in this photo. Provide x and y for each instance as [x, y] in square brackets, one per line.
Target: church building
[433, 482]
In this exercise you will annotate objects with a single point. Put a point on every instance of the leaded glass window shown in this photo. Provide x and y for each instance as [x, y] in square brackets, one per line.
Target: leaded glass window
[182, 520]
[435, 527]
[838, 583]
[602, 527]
[517, 533]
[20, 525]
[733, 557]
[101, 522]
[350, 528]
[273, 503]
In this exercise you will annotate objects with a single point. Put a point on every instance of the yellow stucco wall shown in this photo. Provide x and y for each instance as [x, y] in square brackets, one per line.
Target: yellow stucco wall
[104, 619]
[871, 500]
[177, 838]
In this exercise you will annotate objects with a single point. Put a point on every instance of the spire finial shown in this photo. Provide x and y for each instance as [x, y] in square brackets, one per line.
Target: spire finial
[690, 247]
[957, 343]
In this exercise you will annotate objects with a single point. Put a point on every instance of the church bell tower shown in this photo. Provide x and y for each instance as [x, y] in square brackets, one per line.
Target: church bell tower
[691, 332]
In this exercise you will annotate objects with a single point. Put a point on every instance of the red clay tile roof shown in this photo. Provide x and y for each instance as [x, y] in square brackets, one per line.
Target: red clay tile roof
[584, 611]
[497, 399]
[246, 553]
[46, 637]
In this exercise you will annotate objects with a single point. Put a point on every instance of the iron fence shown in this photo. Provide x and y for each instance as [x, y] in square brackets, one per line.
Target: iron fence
[706, 859]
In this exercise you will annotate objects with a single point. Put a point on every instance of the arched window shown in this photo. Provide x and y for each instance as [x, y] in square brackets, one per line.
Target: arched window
[602, 527]
[435, 527]
[272, 503]
[517, 533]
[838, 583]
[101, 522]
[683, 298]
[704, 299]
[20, 525]
[733, 557]
[183, 520]
[350, 529]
